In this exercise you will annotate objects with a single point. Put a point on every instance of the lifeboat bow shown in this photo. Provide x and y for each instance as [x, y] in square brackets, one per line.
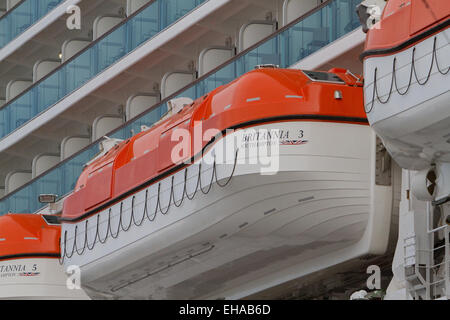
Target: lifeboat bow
[29, 259]
[145, 221]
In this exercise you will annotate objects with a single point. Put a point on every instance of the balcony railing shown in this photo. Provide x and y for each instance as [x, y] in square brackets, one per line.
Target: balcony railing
[14, 22]
[331, 20]
[104, 52]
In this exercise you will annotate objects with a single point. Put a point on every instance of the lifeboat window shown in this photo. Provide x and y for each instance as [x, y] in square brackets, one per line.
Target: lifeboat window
[323, 77]
[51, 220]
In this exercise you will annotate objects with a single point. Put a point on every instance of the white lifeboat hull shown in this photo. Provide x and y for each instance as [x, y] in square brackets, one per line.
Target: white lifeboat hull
[321, 208]
[410, 107]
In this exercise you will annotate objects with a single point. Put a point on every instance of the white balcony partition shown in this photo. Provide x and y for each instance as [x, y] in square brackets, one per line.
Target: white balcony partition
[43, 67]
[43, 162]
[105, 124]
[134, 5]
[73, 144]
[174, 81]
[16, 87]
[2, 101]
[254, 31]
[103, 24]
[72, 47]
[211, 58]
[11, 3]
[292, 9]
[16, 179]
[138, 103]
[2, 192]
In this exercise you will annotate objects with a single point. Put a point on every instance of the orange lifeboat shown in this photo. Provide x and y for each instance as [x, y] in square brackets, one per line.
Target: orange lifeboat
[29, 258]
[407, 87]
[267, 172]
